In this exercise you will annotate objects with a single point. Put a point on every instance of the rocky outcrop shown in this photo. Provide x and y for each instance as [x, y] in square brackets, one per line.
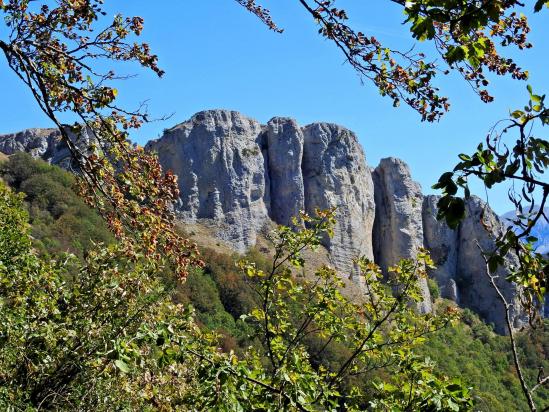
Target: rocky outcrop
[335, 175]
[45, 144]
[223, 176]
[237, 176]
[461, 270]
[443, 244]
[285, 153]
[398, 229]
[240, 174]
[39, 143]
[479, 229]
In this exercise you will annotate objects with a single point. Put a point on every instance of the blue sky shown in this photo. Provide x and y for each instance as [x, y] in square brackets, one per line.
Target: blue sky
[216, 55]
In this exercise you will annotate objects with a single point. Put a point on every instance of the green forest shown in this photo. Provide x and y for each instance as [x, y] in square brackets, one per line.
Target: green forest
[219, 295]
[237, 263]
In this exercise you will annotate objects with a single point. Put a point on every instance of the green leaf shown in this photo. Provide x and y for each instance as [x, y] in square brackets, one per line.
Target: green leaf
[517, 114]
[535, 98]
[455, 54]
[539, 4]
[123, 366]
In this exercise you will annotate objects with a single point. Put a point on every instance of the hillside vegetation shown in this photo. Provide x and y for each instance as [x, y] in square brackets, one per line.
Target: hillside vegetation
[60, 220]
[220, 295]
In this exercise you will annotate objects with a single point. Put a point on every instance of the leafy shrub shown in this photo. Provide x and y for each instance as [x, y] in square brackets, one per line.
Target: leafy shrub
[483, 358]
[434, 289]
[61, 222]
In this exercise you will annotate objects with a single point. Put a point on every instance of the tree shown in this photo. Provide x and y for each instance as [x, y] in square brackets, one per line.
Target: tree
[104, 334]
[54, 51]
[465, 34]
[524, 164]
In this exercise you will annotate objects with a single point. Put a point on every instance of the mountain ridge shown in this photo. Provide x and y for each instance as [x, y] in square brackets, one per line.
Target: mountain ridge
[540, 230]
[238, 175]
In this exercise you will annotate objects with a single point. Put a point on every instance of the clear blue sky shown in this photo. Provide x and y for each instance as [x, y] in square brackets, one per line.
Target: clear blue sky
[216, 55]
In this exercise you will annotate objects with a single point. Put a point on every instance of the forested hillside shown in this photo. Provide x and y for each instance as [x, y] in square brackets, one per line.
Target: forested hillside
[61, 222]
[221, 295]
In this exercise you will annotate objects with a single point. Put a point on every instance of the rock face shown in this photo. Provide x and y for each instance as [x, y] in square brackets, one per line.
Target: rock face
[461, 270]
[39, 143]
[285, 154]
[443, 244]
[335, 175]
[398, 229]
[240, 174]
[222, 173]
[43, 144]
[476, 292]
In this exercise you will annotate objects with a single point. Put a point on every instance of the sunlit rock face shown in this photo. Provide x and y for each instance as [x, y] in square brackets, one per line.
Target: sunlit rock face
[45, 144]
[335, 174]
[222, 173]
[239, 173]
[398, 227]
[238, 177]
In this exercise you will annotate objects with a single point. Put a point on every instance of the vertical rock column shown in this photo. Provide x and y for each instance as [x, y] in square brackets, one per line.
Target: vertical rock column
[443, 244]
[335, 175]
[285, 152]
[398, 227]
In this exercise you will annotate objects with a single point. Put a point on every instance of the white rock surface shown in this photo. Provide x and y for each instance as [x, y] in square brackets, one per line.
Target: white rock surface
[222, 175]
[336, 175]
[398, 228]
[239, 174]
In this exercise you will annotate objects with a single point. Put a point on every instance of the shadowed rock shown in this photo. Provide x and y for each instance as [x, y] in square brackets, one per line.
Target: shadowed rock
[443, 244]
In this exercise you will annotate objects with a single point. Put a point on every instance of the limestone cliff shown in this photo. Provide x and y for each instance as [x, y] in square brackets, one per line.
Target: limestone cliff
[237, 177]
[45, 144]
[222, 174]
[461, 272]
[335, 174]
[241, 175]
[398, 229]
[443, 244]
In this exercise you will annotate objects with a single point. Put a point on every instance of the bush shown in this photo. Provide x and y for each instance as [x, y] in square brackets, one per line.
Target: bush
[61, 221]
[434, 290]
[472, 350]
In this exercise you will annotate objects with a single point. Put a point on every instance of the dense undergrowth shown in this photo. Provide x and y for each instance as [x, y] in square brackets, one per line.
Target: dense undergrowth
[60, 220]
[469, 348]
[220, 295]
